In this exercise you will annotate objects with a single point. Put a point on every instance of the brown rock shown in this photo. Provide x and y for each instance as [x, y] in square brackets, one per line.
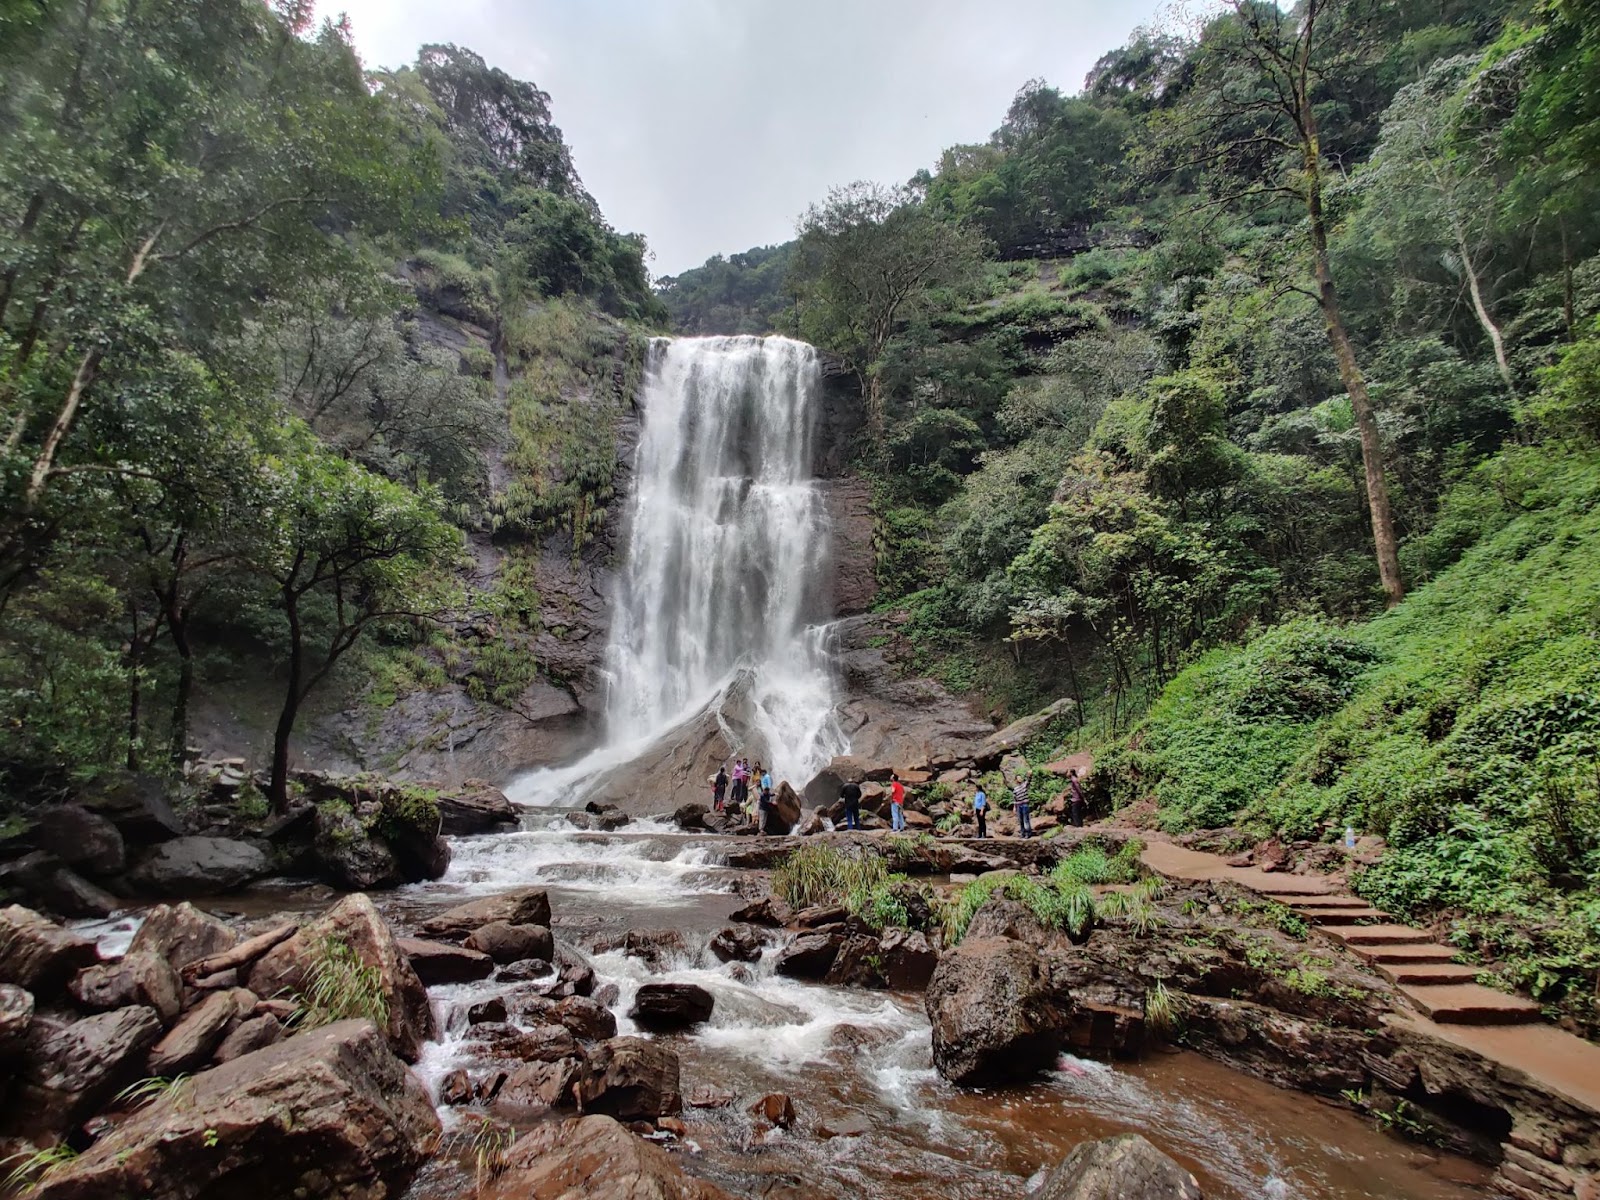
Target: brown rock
[1019, 733]
[440, 962]
[768, 911]
[673, 1126]
[540, 1086]
[706, 1096]
[906, 960]
[327, 1113]
[79, 838]
[737, 944]
[69, 1072]
[507, 943]
[809, 956]
[247, 1037]
[586, 1018]
[478, 807]
[40, 955]
[548, 1042]
[192, 1040]
[1119, 1168]
[597, 1159]
[526, 906]
[775, 1109]
[456, 1089]
[655, 946]
[784, 813]
[994, 1015]
[182, 934]
[355, 923]
[137, 978]
[16, 1013]
[669, 1006]
[632, 1079]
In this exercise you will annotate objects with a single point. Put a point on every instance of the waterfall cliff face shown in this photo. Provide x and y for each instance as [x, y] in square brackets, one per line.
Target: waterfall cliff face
[719, 624]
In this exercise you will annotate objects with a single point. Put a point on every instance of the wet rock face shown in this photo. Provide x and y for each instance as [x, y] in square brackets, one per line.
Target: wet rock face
[138, 978]
[181, 934]
[478, 807]
[668, 1006]
[526, 906]
[507, 943]
[68, 1073]
[633, 1080]
[79, 838]
[439, 962]
[327, 1113]
[39, 955]
[197, 866]
[995, 1017]
[737, 944]
[809, 956]
[597, 1158]
[1119, 1168]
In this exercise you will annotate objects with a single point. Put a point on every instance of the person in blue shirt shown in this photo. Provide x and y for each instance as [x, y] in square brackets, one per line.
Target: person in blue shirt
[764, 798]
[980, 810]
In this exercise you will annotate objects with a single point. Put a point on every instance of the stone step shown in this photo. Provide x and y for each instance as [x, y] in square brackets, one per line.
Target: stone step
[1320, 901]
[1342, 916]
[1427, 972]
[1419, 952]
[1470, 1004]
[1379, 935]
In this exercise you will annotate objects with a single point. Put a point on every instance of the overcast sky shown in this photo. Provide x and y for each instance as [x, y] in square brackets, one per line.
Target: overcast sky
[709, 125]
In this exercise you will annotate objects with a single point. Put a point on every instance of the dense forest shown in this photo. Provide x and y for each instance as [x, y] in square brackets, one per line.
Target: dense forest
[1249, 396]
[265, 322]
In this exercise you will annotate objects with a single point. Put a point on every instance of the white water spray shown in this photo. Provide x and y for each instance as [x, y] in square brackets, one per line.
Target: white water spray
[724, 585]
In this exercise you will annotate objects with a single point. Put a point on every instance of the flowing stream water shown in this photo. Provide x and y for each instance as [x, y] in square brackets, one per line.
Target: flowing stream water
[723, 595]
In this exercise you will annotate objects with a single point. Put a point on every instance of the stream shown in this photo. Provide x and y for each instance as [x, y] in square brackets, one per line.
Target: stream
[846, 1055]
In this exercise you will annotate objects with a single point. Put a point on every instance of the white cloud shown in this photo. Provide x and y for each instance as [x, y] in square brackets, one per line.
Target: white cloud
[709, 125]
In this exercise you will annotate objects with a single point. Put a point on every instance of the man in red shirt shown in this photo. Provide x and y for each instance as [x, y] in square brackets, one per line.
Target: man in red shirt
[897, 803]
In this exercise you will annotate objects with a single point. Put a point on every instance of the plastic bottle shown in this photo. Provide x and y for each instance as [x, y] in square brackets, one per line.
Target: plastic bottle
[1350, 837]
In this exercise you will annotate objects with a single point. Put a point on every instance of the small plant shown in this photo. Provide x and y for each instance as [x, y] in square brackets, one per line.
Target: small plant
[33, 1168]
[339, 986]
[1088, 865]
[948, 824]
[152, 1088]
[1160, 1010]
[210, 1138]
[487, 1142]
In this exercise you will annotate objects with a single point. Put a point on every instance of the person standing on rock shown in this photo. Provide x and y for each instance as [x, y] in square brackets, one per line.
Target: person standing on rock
[719, 789]
[850, 793]
[980, 810]
[741, 783]
[897, 804]
[1019, 805]
[1076, 804]
[764, 803]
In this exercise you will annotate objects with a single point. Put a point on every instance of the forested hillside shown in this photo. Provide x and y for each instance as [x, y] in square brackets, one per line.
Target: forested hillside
[1283, 320]
[277, 338]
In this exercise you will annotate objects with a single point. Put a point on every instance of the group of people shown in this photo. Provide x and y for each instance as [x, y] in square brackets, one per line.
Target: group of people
[731, 792]
[1020, 806]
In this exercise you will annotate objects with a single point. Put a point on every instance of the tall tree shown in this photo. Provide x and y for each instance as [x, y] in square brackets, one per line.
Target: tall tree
[1251, 119]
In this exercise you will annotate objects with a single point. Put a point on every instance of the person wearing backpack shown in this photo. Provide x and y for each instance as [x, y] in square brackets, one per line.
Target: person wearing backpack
[719, 789]
[850, 793]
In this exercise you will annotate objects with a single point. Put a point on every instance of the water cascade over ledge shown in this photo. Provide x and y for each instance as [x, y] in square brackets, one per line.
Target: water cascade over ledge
[718, 642]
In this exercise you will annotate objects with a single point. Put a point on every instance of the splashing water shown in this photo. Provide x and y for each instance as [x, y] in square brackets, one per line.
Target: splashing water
[723, 593]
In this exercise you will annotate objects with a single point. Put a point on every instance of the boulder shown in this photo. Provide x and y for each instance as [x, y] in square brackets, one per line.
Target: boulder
[811, 824]
[541, 1086]
[775, 1109]
[182, 934]
[809, 956]
[348, 856]
[191, 1042]
[57, 888]
[355, 924]
[632, 1079]
[706, 1096]
[16, 1013]
[738, 944]
[136, 804]
[691, 818]
[654, 946]
[507, 943]
[768, 911]
[140, 977]
[994, 1015]
[822, 790]
[39, 955]
[529, 970]
[69, 1072]
[247, 1037]
[1118, 1168]
[1019, 733]
[81, 839]
[455, 1089]
[586, 1018]
[197, 866]
[440, 962]
[594, 1157]
[784, 813]
[329, 1113]
[490, 1011]
[906, 960]
[668, 1006]
[478, 807]
[543, 1043]
[526, 906]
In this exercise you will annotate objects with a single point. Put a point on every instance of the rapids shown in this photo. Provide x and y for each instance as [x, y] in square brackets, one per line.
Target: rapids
[845, 1053]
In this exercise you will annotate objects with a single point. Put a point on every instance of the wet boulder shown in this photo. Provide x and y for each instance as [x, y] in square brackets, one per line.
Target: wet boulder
[82, 840]
[57, 887]
[769, 911]
[633, 1080]
[525, 906]
[507, 943]
[784, 813]
[653, 946]
[662, 1007]
[197, 866]
[137, 978]
[16, 1013]
[737, 944]
[440, 962]
[529, 970]
[809, 956]
[994, 1013]
[597, 1158]
[492, 1011]
[182, 934]
[542, 1086]
[586, 1018]
[39, 955]
[455, 1089]
[907, 960]
[352, 930]
[478, 807]
[136, 804]
[329, 1113]
[256, 1033]
[1119, 1168]
[191, 1042]
[70, 1071]
[691, 818]
[775, 1109]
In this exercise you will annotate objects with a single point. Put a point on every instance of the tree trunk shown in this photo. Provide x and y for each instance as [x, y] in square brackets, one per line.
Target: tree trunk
[177, 623]
[1383, 536]
[278, 788]
[1482, 310]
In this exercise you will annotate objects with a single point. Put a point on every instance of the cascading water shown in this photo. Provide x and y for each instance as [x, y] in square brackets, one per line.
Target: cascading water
[723, 588]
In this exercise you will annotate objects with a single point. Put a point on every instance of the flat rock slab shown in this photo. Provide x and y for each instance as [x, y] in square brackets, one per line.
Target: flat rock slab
[1380, 935]
[1321, 915]
[1428, 973]
[1319, 900]
[1470, 1004]
[1419, 952]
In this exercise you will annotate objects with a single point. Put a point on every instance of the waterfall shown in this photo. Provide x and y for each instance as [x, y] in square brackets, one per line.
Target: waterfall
[723, 588]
